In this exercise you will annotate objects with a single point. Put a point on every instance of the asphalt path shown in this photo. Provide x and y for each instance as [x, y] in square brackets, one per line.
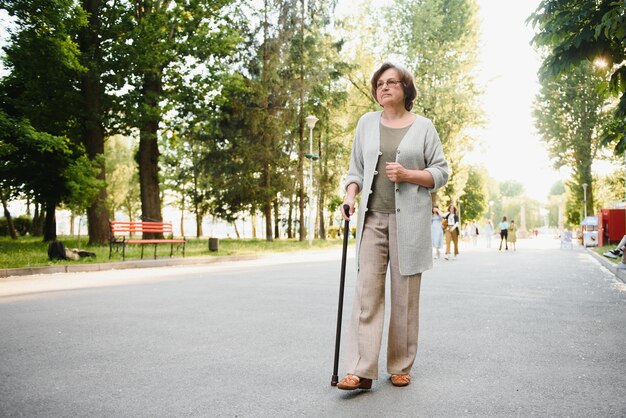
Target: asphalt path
[539, 331]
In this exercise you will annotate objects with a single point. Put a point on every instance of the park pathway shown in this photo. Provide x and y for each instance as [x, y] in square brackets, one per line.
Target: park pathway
[536, 332]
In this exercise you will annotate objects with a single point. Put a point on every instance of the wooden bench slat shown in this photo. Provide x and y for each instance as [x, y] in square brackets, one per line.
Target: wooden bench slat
[154, 241]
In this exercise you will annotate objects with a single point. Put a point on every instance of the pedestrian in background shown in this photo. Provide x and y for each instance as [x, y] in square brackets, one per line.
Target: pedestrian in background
[436, 230]
[512, 234]
[504, 233]
[396, 161]
[488, 232]
[452, 231]
[474, 233]
[467, 233]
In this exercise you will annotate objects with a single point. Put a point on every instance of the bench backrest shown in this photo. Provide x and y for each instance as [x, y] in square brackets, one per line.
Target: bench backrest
[132, 227]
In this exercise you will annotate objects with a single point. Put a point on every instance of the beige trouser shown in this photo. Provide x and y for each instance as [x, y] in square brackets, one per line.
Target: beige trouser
[378, 250]
[452, 237]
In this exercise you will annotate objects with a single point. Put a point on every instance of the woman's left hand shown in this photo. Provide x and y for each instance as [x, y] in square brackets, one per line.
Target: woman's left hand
[395, 172]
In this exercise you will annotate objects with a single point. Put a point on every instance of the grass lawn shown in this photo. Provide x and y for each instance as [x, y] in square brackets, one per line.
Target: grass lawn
[32, 251]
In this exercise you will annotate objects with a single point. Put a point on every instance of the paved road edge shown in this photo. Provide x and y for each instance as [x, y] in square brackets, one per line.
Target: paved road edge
[131, 264]
[619, 273]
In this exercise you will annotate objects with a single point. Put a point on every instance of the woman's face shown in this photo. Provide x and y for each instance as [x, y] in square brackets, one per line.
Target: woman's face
[390, 94]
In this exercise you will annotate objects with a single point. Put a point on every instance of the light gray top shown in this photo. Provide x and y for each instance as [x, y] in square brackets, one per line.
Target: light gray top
[420, 149]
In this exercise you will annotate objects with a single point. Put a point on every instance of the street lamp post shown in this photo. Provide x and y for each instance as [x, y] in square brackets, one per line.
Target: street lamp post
[310, 122]
[585, 198]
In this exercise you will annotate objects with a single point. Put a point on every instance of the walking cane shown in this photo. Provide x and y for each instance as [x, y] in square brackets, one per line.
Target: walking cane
[342, 281]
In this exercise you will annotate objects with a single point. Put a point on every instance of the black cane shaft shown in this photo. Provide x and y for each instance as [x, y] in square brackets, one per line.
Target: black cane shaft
[346, 235]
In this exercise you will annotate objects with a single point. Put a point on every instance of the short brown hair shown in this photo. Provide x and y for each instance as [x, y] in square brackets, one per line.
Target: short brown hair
[408, 85]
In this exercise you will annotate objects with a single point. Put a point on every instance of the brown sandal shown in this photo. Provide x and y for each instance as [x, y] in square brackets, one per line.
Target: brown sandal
[400, 379]
[351, 382]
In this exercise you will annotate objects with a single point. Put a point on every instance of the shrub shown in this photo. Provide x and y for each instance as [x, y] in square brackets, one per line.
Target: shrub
[333, 231]
[22, 226]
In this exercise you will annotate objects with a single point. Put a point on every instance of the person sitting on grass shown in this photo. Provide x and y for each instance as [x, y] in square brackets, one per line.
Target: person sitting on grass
[618, 252]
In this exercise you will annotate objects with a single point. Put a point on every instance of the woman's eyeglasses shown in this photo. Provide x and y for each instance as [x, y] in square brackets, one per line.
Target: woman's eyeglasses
[390, 83]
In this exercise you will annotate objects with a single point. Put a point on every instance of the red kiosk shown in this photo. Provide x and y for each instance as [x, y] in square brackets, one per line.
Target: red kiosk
[611, 226]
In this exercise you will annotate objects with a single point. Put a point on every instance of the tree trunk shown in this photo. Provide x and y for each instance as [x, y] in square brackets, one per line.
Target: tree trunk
[72, 218]
[253, 222]
[267, 204]
[50, 222]
[290, 232]
[199, 231]
[236, 230]
[93, 134]
[276, 220]
[149, 155]
[320, 211]
[8, 217]
[267, 215]
[36, 229]
[301, 129]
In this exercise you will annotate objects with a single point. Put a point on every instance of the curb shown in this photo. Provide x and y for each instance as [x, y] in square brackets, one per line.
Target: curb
[123, 265]
[619, 273]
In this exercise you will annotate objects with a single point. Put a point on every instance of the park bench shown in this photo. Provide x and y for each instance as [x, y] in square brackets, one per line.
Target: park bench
[122, 231]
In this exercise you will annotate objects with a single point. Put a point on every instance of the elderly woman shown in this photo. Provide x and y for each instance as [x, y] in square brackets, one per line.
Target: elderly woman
[396, 162]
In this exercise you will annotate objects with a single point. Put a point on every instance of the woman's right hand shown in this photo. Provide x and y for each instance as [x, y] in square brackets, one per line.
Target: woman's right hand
[351, 191]
[349, 203]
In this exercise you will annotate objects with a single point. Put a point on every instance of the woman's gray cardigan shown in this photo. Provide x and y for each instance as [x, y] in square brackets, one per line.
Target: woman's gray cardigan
[419, 149]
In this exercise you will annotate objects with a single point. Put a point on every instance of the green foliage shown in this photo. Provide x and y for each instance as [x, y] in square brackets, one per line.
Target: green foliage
[42, 59]
[573, 31]
[475, 196]
[609, 190]
[511, 188]
[22, 226]
[122, 177]
[82, 182]
[557, 188]
[568, 114]
[39, 164]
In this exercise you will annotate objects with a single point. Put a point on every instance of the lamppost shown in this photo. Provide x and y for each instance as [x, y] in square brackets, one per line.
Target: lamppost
[585, 198]
[310, 122]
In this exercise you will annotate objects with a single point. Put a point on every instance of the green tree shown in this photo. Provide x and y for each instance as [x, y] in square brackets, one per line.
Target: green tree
[94, 111]
[51, 169]
[568, 114]
[40, 95]
[122, 178]
[65, 96]
[573, 31]
[165, 51]
[511, 188]
[609, 190]
[475, 195]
